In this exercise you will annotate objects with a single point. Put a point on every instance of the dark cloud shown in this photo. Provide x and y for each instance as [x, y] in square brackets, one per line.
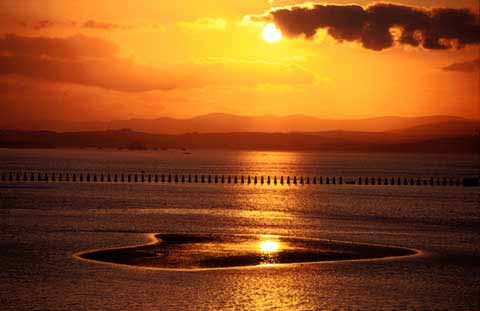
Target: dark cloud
[468, 66]
[372, 26]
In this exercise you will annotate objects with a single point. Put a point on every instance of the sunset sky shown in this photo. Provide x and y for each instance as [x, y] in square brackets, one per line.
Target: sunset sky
[115, 59]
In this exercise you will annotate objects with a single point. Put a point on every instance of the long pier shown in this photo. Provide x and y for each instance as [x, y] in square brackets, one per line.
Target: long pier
[155, 178]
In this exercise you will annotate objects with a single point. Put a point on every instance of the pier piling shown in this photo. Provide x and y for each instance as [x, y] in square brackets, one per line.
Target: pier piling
[108, 177]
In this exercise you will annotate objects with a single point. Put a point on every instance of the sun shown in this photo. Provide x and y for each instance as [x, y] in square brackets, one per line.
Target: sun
[271, 33]
[269, 246]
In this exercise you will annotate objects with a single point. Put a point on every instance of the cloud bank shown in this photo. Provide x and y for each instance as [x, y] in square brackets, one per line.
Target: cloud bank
[435, 29]
[95, 62]
[78, 46]
[77, 59]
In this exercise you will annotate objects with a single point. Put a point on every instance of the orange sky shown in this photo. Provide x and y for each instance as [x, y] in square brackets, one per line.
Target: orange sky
[101, 60]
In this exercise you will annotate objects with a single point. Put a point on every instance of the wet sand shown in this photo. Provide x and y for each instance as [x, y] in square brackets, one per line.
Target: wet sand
[198, 252]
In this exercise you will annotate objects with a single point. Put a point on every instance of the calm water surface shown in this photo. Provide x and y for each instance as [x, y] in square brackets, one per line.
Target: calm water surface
[43, 224]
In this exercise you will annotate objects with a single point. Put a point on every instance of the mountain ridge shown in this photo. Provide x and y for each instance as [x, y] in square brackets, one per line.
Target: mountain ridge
[227, 123]
[434, 138]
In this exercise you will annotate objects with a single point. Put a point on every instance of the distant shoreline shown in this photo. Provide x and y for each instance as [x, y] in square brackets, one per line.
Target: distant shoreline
[192, 151]
[336, 141]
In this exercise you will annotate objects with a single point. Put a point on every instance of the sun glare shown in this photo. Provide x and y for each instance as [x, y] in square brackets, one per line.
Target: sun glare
[269, 246]
[271, 33]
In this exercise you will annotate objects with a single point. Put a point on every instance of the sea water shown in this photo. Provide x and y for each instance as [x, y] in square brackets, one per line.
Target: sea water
[43, 224]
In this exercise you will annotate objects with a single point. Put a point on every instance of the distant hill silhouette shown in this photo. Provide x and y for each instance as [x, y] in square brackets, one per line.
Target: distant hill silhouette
[414, 140]
[442, 129]
[227, 123]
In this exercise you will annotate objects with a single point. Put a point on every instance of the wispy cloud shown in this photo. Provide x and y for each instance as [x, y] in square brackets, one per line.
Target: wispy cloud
[106, 26]
[88, 24]
[206, 23]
